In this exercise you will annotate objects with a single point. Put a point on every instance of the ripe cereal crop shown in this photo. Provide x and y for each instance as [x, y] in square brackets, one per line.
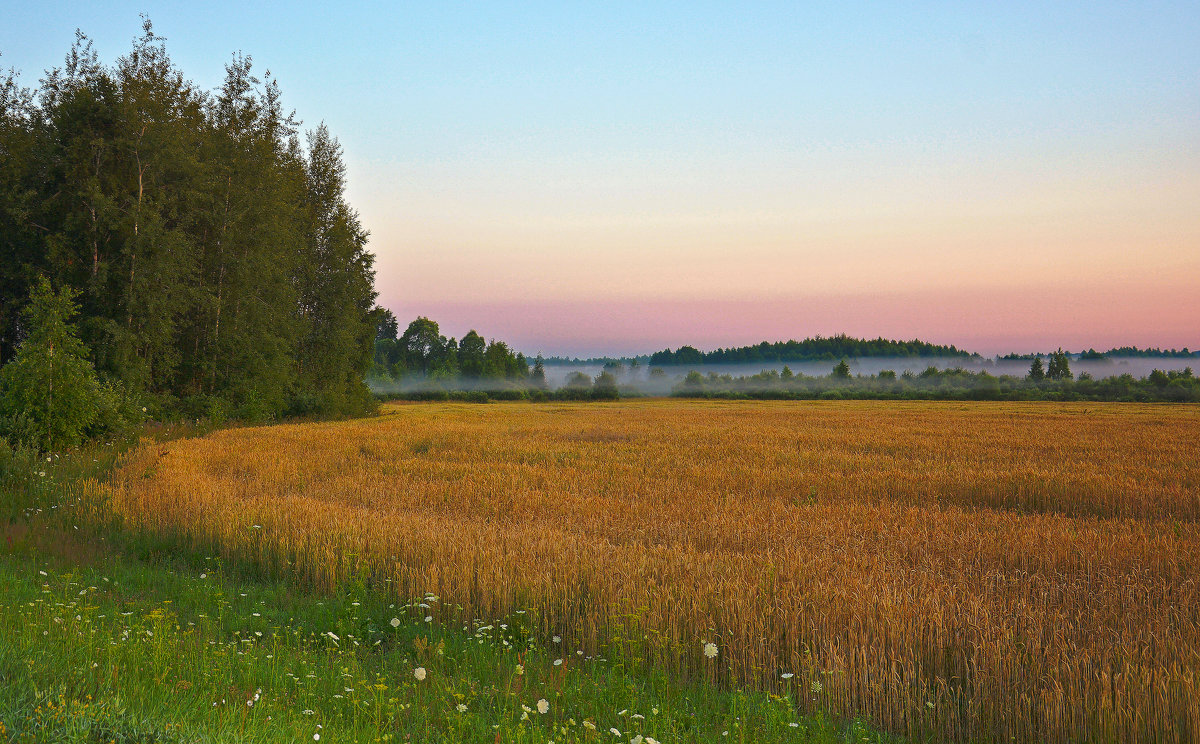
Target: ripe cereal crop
[966, 571]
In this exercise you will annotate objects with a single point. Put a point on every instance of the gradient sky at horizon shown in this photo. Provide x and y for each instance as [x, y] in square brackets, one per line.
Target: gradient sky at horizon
[619, 177]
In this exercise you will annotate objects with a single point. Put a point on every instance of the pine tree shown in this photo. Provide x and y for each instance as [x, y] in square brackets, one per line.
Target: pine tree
[538, 376]
[49, 392]
[1037, 373]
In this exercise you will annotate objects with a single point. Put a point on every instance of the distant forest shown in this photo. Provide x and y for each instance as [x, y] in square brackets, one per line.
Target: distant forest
[816, 349]
[1120, 352]
[217, 266]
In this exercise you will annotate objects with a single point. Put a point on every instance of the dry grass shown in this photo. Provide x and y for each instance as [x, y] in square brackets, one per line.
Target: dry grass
[980, 571]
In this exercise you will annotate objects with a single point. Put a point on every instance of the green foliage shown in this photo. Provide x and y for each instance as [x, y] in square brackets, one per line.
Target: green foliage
[50, 396]
[386, 328]
[1037, 372]
[422, 355]
[693, 381]
[842, 370]
[212, 255]
[538, 376]
[472, 351]
[1060, 366]
[605, 386]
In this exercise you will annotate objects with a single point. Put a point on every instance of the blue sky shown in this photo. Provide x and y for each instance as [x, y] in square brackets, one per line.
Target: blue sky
[584, 156]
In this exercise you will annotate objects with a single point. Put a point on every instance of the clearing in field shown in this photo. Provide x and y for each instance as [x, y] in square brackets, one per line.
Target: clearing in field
[979, 571]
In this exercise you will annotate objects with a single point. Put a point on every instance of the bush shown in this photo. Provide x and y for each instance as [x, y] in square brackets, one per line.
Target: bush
[605, 387]
[508, 394]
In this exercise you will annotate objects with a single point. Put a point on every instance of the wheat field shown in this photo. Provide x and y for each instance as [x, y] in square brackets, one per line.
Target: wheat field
[982, 571]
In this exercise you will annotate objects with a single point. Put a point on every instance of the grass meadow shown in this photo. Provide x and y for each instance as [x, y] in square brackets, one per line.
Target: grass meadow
[967, 572]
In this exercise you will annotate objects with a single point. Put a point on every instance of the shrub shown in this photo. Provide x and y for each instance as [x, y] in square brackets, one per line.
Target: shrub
[605, 387]
[507, 394]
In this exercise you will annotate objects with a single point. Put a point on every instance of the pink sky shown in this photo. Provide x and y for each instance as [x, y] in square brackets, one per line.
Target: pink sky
[987, 321]
[1018, 258]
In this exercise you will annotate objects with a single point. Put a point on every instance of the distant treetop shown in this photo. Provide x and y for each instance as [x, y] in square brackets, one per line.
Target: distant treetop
[816, 349]
[1119, 352]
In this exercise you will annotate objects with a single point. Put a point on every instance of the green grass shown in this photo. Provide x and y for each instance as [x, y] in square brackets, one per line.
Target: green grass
[107, 636]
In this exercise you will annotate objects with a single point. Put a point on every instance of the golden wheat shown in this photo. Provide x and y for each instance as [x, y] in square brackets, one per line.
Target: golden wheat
[979, 571]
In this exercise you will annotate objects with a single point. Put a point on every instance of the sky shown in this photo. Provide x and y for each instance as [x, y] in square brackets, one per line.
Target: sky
[616, 178]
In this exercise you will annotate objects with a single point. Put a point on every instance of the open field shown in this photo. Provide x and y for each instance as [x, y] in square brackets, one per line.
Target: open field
[979, 571]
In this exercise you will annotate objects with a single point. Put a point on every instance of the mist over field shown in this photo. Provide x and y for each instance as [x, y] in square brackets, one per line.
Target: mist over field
[556, 374]
[652, 380]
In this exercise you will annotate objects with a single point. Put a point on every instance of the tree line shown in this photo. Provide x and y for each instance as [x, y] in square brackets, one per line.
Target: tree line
[817, 349]
[1054, 381]
[1120, 352]
[421, 351]
[214, 262]
[422, 364]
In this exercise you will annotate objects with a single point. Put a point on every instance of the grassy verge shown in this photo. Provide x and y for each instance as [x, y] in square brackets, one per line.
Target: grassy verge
[104, 638]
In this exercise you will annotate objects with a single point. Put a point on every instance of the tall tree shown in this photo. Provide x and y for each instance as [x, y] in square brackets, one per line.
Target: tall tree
[472, 354]
[337, 291]
[20, 257]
